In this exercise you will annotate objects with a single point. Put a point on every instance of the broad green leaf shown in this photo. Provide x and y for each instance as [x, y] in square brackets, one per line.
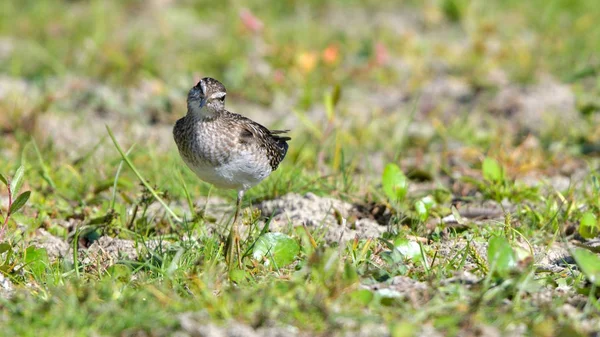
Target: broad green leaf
[501, 256]
[350, 274]
[277, 248]
[423, 207]
[491, 170]
[589, 263]
[362, 296]
[238, 276]
[422, 210]
[453, 9]
[17, 180]
[19, 202]
[395, 183]
[36, 260]
[428, 201]
[119, 272]
[408, 249]
[588, 226]
[3, 179]
[404, 329]
[4, 247]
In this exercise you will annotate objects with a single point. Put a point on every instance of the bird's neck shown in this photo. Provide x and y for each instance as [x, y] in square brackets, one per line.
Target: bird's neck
[202, 113]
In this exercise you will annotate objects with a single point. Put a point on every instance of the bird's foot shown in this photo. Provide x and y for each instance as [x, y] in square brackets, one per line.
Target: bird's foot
[233, 250]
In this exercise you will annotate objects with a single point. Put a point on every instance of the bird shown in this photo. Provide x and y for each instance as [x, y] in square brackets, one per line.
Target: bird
[226, 149]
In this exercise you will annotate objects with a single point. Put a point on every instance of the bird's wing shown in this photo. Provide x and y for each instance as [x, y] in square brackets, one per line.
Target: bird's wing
[275, 145]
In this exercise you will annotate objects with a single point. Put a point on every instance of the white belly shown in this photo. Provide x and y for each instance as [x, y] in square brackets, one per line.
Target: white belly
[241, 172]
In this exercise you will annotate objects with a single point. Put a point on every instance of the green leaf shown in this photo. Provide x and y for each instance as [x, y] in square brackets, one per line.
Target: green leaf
[404, 329]
[457, 215]
[422, 210]
[362, 296]
[238, 276]
[350, 274]
[3, 179]
[277, 248]
[17, 180]
[428, 201]
[408, 249]
[36, 260]
[491, 170]
[423, 207]
[588, 226]
[501, 256]
[4, 247]
[19, 202]
[454, 9]
[395, 183]
[119, 272]
[589, 263]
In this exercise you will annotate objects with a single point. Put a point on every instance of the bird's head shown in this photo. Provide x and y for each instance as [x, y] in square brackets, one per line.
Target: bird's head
[207, 98]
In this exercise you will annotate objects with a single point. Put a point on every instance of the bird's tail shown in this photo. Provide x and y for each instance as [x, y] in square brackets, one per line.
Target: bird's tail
[281, 142]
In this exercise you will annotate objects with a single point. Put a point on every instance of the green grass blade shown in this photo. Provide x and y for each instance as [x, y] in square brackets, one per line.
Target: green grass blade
[45, 171]
[188, 196]
[137, 173]
[114, 195]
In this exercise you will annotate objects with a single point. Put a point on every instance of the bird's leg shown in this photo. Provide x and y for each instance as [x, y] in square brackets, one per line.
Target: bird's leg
[233, 241]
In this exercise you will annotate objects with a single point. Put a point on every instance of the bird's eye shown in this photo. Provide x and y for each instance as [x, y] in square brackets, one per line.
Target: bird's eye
[222, 98]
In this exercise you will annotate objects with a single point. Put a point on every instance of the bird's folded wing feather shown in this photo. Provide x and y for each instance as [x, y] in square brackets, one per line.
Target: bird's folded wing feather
[275, 145]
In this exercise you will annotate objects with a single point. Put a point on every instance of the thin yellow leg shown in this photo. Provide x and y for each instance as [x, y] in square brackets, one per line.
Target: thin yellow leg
[233, 241]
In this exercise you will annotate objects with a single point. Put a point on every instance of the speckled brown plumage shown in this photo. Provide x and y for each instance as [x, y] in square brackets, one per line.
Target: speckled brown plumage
[210, 137]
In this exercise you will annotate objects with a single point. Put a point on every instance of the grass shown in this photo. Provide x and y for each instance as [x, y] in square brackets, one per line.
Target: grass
[354, 81]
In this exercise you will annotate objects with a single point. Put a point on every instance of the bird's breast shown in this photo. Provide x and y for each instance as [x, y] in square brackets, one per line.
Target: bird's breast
[217, 157]
[241, 171]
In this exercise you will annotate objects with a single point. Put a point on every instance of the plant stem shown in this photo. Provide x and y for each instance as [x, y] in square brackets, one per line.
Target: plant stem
[3, 229]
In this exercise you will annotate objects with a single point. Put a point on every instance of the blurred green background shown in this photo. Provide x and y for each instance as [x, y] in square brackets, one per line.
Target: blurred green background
[259, 47]
[281, 58]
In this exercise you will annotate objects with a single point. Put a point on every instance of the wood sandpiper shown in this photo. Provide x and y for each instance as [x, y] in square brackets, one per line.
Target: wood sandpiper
[225, 149]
